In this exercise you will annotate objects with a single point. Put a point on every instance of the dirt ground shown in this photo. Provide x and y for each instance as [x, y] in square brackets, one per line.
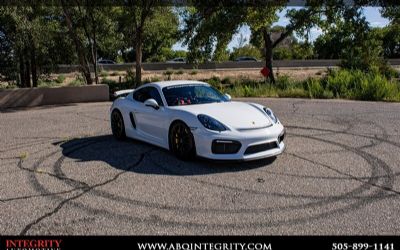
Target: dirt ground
[252, 74]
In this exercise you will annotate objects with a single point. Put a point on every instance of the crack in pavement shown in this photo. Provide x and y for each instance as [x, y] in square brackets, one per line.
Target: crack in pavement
[359, 179]
[85, 190]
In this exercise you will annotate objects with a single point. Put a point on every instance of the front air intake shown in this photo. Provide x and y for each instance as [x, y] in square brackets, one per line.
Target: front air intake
[225, 147]
[260, 148]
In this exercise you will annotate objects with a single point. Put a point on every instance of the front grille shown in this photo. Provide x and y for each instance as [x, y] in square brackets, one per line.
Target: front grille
[260, 148]
[225, 147]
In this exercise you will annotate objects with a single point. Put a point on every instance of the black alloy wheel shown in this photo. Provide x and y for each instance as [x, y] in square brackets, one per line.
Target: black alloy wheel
[117, 125]
[181, 141]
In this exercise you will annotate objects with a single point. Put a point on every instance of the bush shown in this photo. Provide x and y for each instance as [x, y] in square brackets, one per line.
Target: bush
[355, 84]
[314, 88]
[215, 81]
[130, 77]
[78, 81]
[293, 93]
[179, 72]
[169, 72]
[284, 82]
[115, 86]
[193, 72]
[60, 79]
[103, 73]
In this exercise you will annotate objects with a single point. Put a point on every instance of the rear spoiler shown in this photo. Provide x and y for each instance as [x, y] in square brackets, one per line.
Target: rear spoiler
[122, 93]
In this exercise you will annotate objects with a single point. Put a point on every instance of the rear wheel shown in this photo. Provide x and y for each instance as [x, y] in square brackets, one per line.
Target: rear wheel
[117, 125]
[181, 141]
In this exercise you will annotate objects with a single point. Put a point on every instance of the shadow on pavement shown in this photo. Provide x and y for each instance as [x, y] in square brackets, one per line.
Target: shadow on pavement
[143, 158]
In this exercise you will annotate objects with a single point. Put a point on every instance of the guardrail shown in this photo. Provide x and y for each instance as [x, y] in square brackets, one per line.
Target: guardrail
[214, 66]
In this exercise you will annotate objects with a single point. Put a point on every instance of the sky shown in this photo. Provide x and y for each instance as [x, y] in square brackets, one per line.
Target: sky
[372, 15]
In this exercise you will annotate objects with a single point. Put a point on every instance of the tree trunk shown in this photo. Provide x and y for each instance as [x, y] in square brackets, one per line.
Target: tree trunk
[27, 71]
[268, 54]
[33, 66]
[138, 52]
[84, 64]
[22, 71]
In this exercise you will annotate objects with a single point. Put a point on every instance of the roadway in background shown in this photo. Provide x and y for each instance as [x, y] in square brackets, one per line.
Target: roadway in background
[217, 66]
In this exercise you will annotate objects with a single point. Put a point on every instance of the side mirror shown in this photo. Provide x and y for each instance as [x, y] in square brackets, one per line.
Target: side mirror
[228, 96]
[151, 103]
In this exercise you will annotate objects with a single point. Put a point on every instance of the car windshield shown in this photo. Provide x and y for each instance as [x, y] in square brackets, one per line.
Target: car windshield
[192, 94]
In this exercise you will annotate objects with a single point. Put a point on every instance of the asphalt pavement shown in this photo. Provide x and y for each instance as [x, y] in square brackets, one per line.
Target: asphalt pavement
[61, 172]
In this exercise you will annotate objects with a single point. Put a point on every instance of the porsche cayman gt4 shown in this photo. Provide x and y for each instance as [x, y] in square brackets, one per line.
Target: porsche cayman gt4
[192, 118]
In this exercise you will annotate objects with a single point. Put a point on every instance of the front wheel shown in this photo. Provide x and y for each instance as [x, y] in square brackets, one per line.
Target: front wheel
[117, 125]
[181, 141]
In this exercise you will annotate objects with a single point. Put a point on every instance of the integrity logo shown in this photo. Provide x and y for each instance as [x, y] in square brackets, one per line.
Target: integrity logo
[33, 244]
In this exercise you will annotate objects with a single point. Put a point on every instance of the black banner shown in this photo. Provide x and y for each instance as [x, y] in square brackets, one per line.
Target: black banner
[200, 242]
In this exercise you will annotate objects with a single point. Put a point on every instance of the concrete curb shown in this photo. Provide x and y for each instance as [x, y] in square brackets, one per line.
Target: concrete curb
[30, 97]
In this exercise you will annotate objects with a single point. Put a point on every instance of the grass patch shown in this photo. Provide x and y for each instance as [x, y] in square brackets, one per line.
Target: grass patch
[103, 73]
[60, 79]
[338, 83]
[78, 81]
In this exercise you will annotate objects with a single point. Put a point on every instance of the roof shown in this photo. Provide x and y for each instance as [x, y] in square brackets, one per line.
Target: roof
[175, 82]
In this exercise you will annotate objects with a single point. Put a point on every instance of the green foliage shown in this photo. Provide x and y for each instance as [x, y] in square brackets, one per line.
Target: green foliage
[130, 77]
[103, 73]
[179, 72]
[282, 53]
[168, 72]
[347, 84]
[193, 72]
[355, 84]
[78, 81]
[156, 47]
[247, 50]
[215, 81]
[60, 79]
[115, 86]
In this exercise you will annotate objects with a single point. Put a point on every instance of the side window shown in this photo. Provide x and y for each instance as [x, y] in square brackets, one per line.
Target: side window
[143, 94]
[153, 93]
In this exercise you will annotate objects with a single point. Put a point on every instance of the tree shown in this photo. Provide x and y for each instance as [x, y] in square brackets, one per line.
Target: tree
[246, 50]
[32, 43]
[209, 27]
[137, 14]
[86, 24]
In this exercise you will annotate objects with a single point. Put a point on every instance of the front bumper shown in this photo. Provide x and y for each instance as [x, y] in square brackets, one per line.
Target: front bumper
[204, 138]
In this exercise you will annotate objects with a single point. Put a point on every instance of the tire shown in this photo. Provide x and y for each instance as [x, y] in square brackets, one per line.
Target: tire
[181, 141]
[117, 125]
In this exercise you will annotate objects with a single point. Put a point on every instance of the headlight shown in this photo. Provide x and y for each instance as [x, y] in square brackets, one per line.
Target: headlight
[211, 123]
[271, 115]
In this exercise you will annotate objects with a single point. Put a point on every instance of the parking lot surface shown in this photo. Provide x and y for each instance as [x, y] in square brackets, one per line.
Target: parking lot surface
[62, 172]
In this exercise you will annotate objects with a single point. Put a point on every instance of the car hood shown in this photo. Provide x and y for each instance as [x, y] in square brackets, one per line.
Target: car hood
[238, 115]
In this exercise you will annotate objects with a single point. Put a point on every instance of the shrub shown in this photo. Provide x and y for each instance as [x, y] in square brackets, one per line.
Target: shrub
[179, 72]
[130, 77]
[78, 81]
[214, 81]
[115, 86]
[169, 72]
[293, 93]
[193, 72]
[284, 82]
[103, 73]
[314, 88]
[60, 79]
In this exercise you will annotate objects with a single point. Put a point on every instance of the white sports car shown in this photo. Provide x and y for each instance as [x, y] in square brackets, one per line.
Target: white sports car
[192, 118]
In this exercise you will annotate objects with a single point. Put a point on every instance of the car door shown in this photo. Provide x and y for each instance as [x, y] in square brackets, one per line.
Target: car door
[151, 123]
